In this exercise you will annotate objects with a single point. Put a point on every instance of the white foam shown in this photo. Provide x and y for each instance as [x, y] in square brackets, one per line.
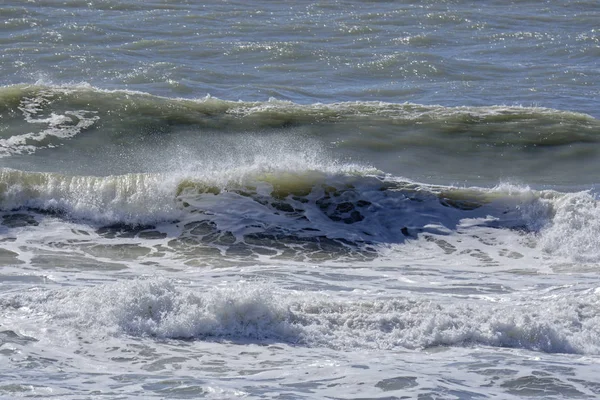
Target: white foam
[561, 320]
[574, 231]
[566, 225]
[158, 307]
[134, 198]
[63, 126]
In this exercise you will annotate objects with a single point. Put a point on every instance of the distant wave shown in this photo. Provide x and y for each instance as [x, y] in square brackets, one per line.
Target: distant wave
[39, 116]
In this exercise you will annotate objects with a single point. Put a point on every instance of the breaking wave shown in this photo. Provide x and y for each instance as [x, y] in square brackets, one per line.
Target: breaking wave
[157, 307]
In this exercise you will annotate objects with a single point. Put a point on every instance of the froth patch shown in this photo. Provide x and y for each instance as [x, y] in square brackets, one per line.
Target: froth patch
[160, 308]
[55, 126]
[574, 232]
[557, 321]
[133, 198]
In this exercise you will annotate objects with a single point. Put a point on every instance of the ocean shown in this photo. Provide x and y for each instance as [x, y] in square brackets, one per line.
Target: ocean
[299, 200]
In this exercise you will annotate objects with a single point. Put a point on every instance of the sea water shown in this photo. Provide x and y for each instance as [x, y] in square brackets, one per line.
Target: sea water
[299, 200]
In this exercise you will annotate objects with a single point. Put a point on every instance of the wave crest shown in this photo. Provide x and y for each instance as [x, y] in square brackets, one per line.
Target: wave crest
[70, 110]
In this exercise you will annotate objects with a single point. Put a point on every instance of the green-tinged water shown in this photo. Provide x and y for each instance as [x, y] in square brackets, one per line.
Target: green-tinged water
[312, 200]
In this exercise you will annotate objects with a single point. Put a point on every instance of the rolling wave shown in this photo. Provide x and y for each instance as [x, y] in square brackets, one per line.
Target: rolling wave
[204, 170]
[142, 198]
[290, 211]
[38, 116]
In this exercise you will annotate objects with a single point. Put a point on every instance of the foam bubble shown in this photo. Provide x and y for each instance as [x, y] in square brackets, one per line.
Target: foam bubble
[560, 321]
[158, 307]
[575, 229]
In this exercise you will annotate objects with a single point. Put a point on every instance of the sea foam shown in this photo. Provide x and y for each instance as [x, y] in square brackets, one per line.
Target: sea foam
[574, 232]
[559, 320]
